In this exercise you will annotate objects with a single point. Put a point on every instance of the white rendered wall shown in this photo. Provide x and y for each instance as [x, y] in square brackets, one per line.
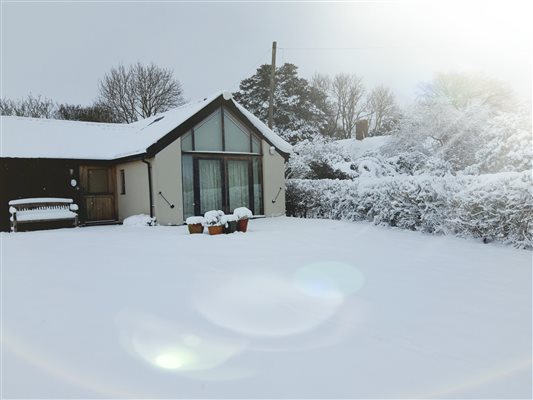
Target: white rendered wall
[273, 180]
[136, 200]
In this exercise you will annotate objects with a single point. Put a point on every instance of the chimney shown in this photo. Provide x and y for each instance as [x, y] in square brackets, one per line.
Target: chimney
[361, 129]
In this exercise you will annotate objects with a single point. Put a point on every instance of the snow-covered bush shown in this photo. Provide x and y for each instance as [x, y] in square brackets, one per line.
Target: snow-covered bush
[493, 207]
[139, 220]
[473, 139]
[315, 158]
[372, 165]
[507, 145]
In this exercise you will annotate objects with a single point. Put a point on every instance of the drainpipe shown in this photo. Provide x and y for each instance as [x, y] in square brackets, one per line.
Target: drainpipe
[149, 168]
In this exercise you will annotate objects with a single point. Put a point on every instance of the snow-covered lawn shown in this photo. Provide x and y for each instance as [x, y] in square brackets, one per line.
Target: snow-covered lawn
[293, 308]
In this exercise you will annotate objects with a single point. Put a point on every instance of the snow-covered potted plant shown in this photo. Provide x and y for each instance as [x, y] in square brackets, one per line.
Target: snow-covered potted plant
[242, 214]
[195, 224]
[229, 222]
[212, 220]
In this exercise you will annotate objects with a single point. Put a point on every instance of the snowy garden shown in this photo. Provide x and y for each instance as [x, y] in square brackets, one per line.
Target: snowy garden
[291, 308]
[402, 269]
[407, 274]
[444, 169]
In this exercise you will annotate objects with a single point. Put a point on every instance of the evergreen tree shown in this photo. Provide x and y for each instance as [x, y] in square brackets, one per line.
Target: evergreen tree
[299, 108]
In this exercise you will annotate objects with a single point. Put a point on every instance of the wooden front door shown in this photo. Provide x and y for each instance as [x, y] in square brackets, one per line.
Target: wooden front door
[98, 186]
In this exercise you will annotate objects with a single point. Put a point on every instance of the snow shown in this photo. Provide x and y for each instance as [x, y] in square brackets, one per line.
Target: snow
[195, 220]
[139, 220]
[291, 309]
[356, 148]
[228, 218]
[47, 138]
[213, 217]
[40, 200]
[242, 212]
[44, 214]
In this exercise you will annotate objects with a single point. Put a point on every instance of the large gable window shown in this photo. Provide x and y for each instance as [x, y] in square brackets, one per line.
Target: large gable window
[221, 166]
[221, 132]
[208, 134]
[237, 136]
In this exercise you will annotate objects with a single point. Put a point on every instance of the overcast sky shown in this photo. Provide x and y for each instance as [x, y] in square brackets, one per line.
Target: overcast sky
[61, 49]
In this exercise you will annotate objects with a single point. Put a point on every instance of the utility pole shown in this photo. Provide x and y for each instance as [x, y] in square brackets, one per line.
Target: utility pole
[272, 86]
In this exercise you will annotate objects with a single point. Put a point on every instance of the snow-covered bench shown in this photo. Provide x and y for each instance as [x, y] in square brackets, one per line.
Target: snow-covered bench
[45, 209]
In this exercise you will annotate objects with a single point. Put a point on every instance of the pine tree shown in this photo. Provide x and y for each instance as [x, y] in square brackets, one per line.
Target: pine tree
[299, 108]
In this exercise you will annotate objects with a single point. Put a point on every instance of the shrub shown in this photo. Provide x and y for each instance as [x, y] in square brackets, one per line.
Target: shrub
[493, 207]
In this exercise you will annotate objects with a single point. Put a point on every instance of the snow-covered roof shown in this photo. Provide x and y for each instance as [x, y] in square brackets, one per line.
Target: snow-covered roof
[23, 137]
[265, 130]
[356, 148]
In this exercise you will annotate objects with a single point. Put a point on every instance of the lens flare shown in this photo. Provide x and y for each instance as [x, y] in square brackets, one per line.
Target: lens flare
[177, 347]
[329, 278]
[169, 361]
[262, 303]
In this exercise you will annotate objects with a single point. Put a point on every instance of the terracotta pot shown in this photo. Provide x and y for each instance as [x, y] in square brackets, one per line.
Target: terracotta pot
[232, 227]
[242, 225]
[195, 228]
[215, 230]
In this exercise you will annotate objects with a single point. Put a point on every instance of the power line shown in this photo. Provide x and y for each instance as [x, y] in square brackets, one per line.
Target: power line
[343, 48]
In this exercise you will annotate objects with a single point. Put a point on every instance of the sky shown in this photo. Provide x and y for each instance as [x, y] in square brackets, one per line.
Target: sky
[61, 49]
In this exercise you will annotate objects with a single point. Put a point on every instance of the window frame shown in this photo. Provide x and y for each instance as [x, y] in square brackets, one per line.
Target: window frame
[224, 156]
[241, 126]
[223, 159]
[122, 174]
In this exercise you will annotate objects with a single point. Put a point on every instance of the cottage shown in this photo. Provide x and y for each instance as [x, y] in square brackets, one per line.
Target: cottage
[208, 154]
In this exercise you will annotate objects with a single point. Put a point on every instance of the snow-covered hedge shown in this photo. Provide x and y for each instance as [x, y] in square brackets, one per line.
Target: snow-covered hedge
[491, 206]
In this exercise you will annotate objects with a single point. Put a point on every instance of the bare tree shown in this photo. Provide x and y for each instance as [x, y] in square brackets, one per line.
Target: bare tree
[322, 83]
[139, 91]
[36, 107]
[347, 92]
[382, 110]
[92, 113]
[462, 89]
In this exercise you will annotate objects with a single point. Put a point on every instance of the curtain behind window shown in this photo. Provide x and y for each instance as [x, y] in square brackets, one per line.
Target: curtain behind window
[210, 185]
[238, 184]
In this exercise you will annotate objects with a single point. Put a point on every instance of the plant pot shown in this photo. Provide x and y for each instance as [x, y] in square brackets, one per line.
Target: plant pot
[195, 228]
[232, 227]
[215, 230]
[242, 225]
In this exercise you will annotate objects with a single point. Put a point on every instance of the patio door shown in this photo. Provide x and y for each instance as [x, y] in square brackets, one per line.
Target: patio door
[212, 182]
[210, 188]
[239, 184]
